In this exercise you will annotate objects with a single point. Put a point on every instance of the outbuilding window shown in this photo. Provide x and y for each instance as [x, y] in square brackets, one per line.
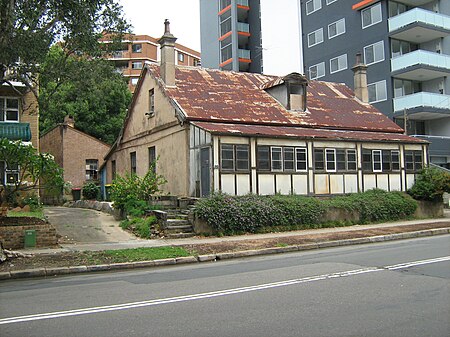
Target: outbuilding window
[235, 157]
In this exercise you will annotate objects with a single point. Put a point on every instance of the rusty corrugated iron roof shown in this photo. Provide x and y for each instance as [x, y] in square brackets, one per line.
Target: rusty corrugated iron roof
[304, 133]
[225, 96]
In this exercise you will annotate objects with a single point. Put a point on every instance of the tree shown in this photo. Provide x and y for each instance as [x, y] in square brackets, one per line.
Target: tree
[28, 28]
[91, 92]
[27, 170]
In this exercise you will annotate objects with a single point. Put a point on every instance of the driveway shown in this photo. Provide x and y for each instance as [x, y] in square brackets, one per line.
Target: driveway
[81, 226]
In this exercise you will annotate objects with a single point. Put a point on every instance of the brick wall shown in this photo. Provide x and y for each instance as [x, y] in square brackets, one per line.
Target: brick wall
[13, 237]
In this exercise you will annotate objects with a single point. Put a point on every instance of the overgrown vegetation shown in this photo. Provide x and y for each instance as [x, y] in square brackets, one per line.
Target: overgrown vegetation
[33, 214]
[139, 226]
[90, 191]
[252, 213]
[430, 184]
[146, 254]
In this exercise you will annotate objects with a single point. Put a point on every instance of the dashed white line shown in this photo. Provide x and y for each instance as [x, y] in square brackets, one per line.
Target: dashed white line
[227, 292]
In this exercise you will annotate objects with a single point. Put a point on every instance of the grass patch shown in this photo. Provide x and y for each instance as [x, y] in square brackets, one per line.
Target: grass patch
[145, 254]
[35, 214]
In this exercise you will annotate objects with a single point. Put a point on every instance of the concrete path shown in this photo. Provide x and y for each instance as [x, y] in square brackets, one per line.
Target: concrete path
[84, 226]
[88, 230]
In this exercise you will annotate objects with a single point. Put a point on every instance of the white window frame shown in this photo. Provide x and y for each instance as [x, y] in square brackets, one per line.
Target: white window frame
[315, 9]
[333, 151]
[378, 6]
[329, 2]
[380, 162]
[136, 65]
[316, 34]
[337, 25]
[373, 45]
[378, 99]
[7, 172]
[134, 81]
[305, 151]
[272, 148]
[180, 57]
[338, 58]
[317, 65]
[5, 109]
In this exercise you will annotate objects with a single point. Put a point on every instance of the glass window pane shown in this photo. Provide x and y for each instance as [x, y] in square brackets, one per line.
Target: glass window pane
[301, 159]
[263, 158]
[288, 158]
[242, 156]
[367, 160]
[319, 163]
[12, 103]
[277, 162]
[330, 155]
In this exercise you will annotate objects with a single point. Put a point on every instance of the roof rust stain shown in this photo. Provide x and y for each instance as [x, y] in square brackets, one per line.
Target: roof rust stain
[225, 96]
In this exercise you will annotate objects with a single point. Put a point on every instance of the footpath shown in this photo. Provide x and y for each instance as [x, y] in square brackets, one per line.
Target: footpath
[220, 248]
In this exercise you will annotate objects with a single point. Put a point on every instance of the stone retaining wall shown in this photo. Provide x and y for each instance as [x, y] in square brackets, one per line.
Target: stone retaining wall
[13, 237]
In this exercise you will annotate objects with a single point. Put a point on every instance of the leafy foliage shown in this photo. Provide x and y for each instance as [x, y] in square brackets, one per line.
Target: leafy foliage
[28, 28]
[90, 90]
[252, 213]
[430, 184]
[139, 226]
[130, 189]
[37, 170]
[90, 191]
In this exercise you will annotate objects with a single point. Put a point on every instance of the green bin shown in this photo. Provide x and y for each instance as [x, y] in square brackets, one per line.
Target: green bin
[30, 238]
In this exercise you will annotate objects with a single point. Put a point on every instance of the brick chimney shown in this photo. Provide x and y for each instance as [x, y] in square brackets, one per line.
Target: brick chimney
[167, 43]
[360, 80]
[69, 120]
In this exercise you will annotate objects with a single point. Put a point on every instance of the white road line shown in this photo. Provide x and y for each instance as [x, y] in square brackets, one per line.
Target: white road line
[227, 292]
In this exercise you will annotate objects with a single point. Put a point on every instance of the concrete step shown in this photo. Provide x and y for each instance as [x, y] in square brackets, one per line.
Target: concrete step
[177, 216]
[179, 235]
[179, 229]
[178, 222]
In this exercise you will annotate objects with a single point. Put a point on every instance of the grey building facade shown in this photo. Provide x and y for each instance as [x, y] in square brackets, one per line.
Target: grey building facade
[406, 46]
[231, 35]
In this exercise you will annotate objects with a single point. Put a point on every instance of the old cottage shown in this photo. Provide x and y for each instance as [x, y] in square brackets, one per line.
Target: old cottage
[250, 133]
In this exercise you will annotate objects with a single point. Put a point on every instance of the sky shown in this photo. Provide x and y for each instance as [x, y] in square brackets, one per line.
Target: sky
[147, 18]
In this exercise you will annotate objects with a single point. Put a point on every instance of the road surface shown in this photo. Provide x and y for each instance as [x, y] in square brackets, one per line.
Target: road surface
[390, 289]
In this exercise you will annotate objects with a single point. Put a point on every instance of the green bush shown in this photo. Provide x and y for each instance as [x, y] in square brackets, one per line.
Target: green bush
[252, 213]
[139, 226]
[131, 188]
[90, 191]
[33, 201]
[430, 184]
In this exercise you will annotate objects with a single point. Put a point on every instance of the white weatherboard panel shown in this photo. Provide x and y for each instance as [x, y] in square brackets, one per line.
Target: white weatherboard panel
[395, 182]
[243, 184]
[410, 180]
[283, 184]
[383, 181]
[337, 184]
[321, 184]
[300, 184]
[228, 183]
[369, 182]
[351, 183]
[266, 184]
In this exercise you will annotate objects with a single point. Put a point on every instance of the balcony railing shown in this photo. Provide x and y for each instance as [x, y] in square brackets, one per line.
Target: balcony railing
[440, 145]
[422, 99]
[438, 20]
[243, 27]
[422, 57]
[242, 2]
[244, 54]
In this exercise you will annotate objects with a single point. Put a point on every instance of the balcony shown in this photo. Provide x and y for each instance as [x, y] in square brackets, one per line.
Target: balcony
[423, 106]
[420, 65]
[244, 54]
[243, 27]
[242, 3]
[419, 25]
[439, 145]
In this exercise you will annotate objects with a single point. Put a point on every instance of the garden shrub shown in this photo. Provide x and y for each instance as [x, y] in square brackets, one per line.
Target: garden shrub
[33, 201]
[430, 184]
[252, 213]
[90, 191]
[139, 226]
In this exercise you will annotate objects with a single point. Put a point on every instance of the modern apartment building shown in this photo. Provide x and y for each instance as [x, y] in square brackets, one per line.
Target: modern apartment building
[406, 47]
[251, 35]
[137, 49]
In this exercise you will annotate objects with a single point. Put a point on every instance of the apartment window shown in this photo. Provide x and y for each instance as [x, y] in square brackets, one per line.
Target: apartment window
[329, 2]
[9, 174]
[9, 109]
[374, 53]
[315, 37]
[113, 170]
[371, 16]
[152, 158]
[301, 159]
[224, 3]
[405, 87]
[226, 52]
[225, 26]
[338, 63]
[151, 102]
[312, 6]
[377, 91]
[133, 163]
[263, 158]
[134, 81]
[136, 65]
[317, 71]
[91, 169]
[399, 48]
[137, 48]
[277, 158]
[336, 28]
[235, 157]
[180, 57]
[396, 8]
[413, 160]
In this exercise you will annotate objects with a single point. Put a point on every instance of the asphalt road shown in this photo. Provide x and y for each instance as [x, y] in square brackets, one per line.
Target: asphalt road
[388, 289]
